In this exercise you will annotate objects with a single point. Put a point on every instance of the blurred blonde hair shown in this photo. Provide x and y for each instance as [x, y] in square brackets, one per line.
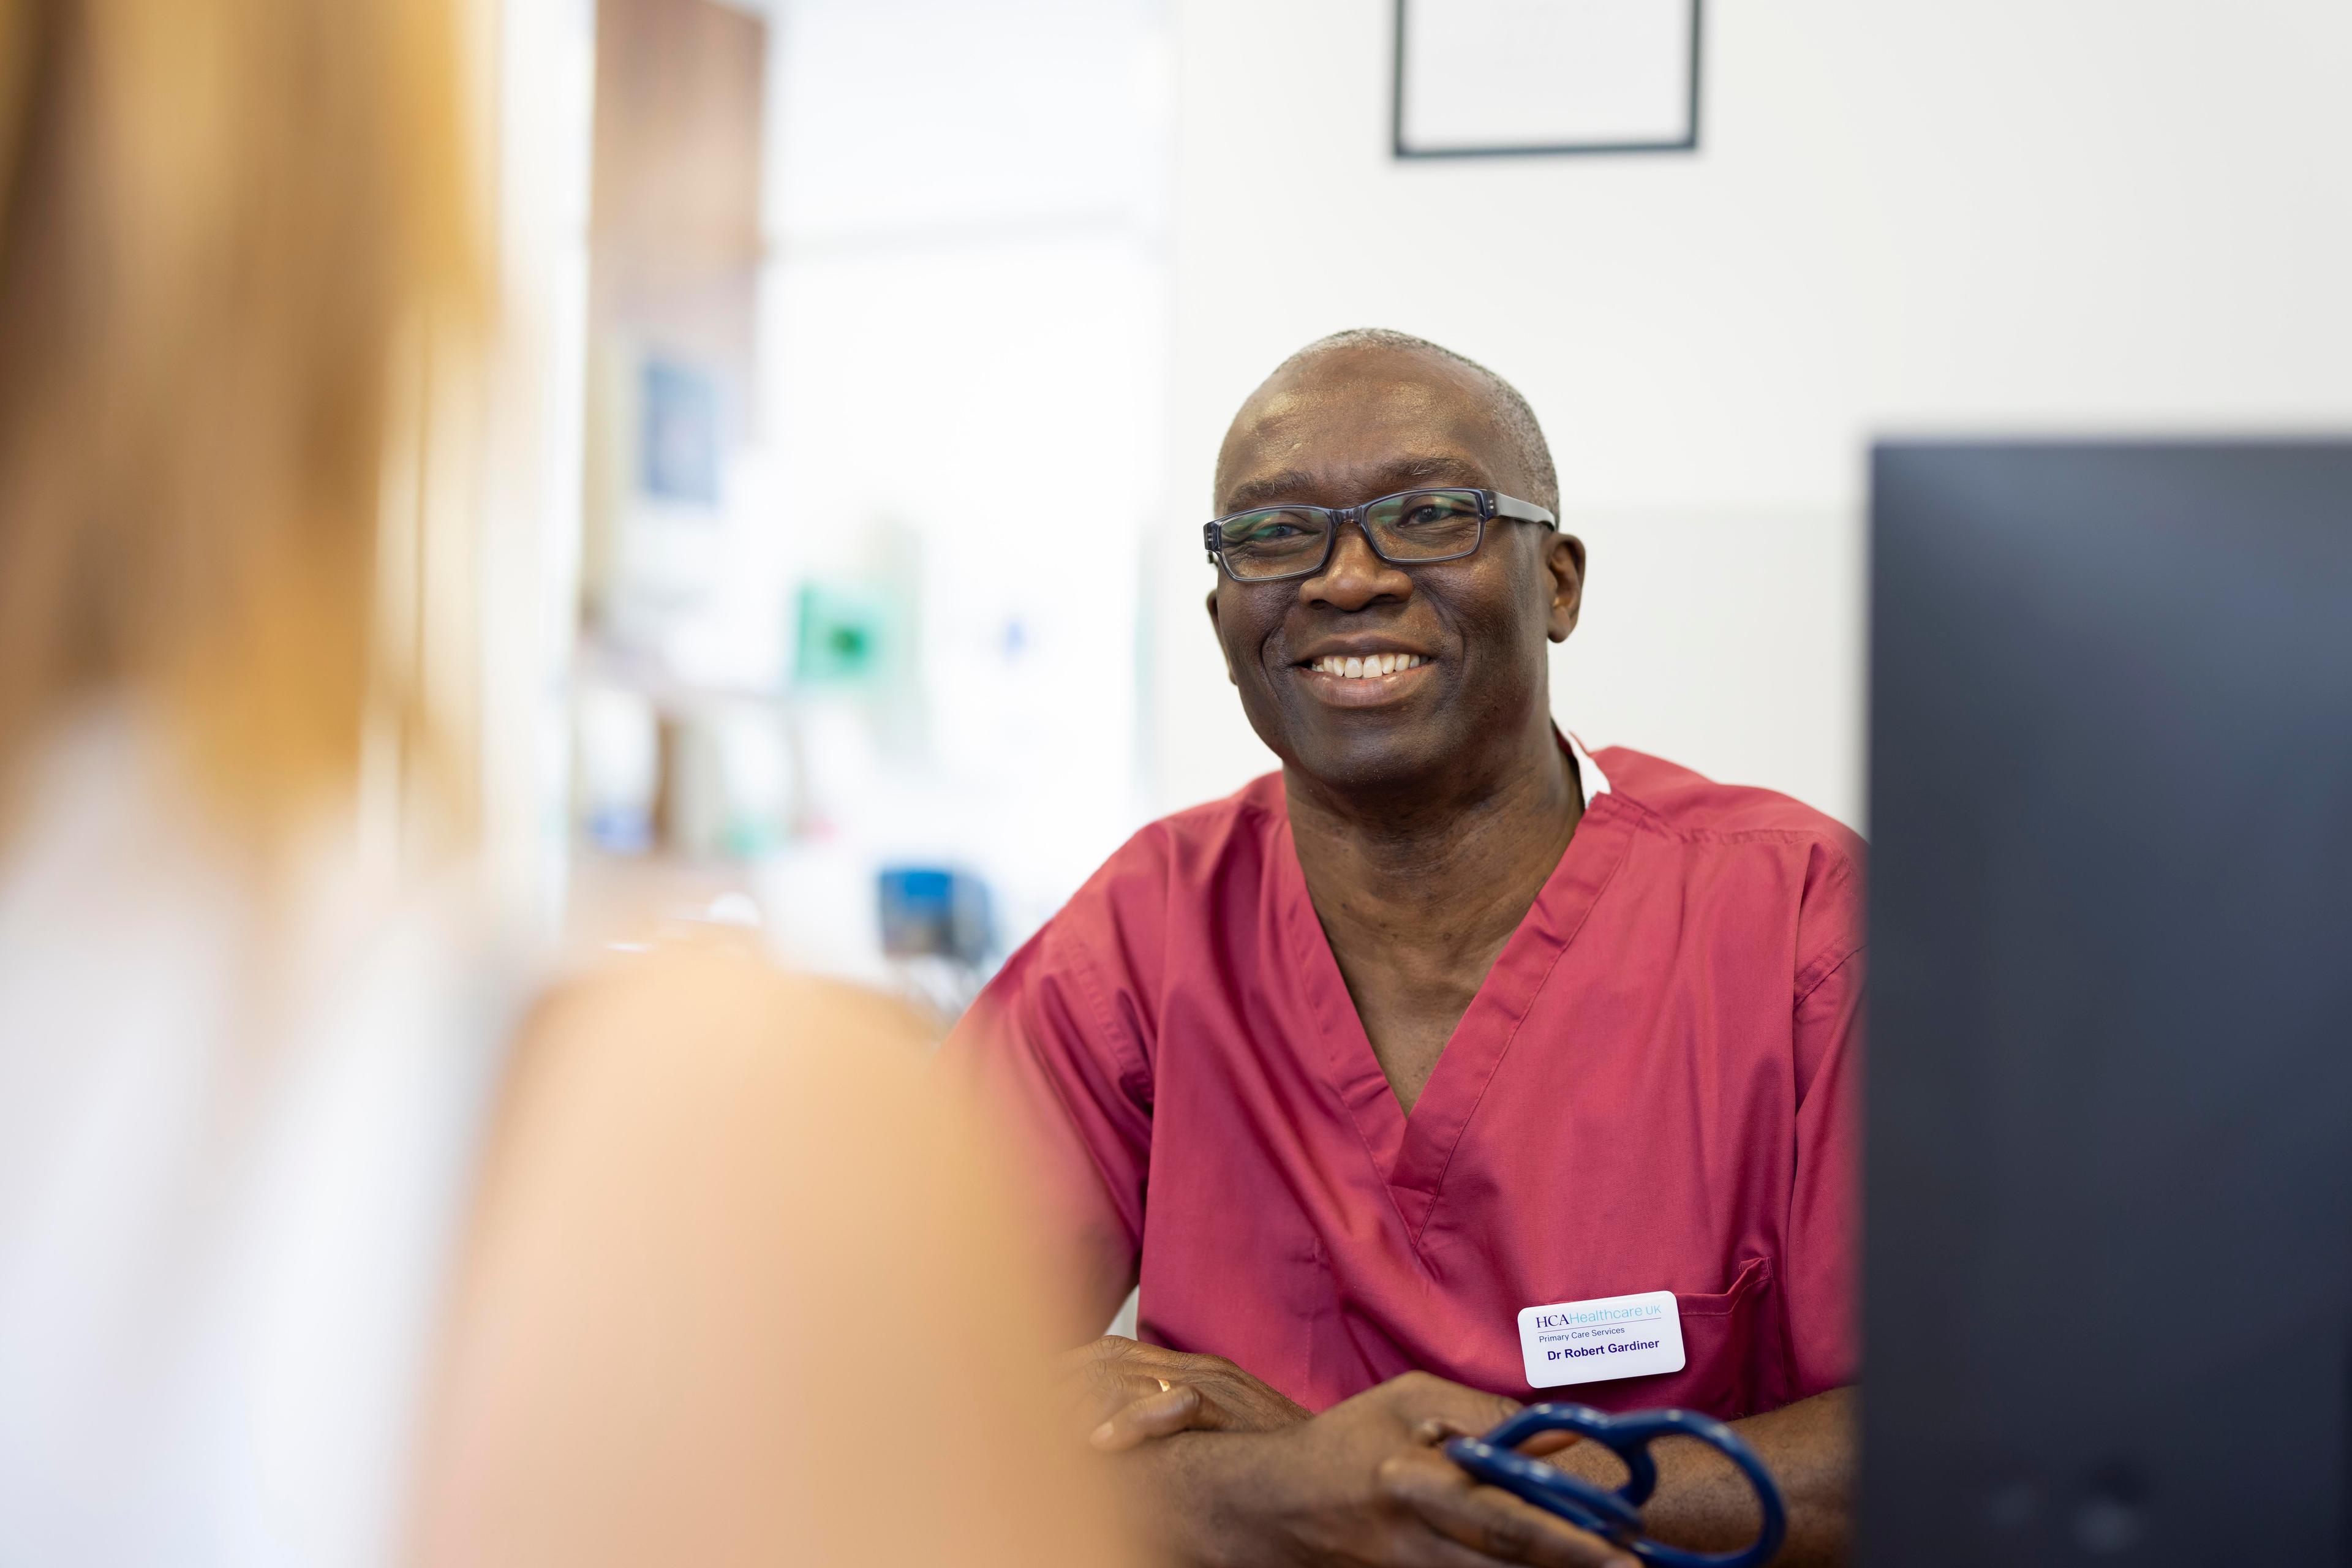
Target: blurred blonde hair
[220, 223]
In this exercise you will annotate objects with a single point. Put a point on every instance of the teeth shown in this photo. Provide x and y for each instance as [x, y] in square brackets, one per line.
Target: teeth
[1368, 668]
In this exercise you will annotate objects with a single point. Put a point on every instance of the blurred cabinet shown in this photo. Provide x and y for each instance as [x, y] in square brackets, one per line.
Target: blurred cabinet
[676, 248]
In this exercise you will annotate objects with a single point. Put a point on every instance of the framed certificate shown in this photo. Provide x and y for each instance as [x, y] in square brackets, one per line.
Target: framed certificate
[1515, 77]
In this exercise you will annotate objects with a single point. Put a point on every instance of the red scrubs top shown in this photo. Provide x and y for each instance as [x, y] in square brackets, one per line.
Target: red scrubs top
[1656, 1088]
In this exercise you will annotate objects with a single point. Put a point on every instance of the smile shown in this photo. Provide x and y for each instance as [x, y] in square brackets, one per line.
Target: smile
[1371, 668]
[1373, 680]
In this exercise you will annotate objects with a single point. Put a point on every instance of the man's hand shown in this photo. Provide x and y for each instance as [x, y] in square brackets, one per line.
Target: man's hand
[1123, 1391]
[1362, 1484]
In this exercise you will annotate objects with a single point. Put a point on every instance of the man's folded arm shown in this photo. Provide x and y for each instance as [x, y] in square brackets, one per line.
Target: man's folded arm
[1363, 1483]
[1703, 1504]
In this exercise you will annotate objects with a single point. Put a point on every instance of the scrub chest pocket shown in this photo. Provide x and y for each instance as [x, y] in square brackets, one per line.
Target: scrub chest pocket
[1731, 1356]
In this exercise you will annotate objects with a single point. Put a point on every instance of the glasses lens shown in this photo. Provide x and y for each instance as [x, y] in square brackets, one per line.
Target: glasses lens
[1273, 542]
[1426, 524]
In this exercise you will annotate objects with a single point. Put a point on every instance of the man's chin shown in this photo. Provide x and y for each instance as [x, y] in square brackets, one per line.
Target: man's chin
[1371, 760]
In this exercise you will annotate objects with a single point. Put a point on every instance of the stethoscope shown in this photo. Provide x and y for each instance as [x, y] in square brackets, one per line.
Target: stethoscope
[1617, 1515]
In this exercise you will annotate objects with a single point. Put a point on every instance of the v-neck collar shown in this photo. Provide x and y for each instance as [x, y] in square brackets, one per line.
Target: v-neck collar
[1411, 1153]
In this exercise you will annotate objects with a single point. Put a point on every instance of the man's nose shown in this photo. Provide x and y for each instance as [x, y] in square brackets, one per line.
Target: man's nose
[1355, 576]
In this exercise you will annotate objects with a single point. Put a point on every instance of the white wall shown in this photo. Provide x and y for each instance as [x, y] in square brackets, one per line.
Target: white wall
[1906, 215]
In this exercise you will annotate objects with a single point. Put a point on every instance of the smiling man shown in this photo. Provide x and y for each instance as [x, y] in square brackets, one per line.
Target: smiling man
[1388, 1074]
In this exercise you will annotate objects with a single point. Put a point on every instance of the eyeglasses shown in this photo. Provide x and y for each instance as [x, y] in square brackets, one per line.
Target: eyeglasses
[1411, 528]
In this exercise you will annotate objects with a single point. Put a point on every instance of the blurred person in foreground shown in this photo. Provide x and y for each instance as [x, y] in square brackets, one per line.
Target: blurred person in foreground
[320, 1240]
[1448, 1021]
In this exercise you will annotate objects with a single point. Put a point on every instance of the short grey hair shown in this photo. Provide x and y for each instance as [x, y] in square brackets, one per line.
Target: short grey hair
[1518, 418]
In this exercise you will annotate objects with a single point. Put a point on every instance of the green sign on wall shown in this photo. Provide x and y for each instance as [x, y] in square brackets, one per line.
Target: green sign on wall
[849, 636]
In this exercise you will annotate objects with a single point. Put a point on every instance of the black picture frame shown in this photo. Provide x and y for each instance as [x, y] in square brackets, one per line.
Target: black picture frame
[1570, 148]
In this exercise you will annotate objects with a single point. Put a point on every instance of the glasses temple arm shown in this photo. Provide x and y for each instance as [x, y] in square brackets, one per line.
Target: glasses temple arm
[1523, 511]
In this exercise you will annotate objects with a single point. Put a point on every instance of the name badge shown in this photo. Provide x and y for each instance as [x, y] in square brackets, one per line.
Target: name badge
[1614, 1336]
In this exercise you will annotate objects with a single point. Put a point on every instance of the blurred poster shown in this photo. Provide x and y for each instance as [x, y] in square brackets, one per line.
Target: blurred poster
[679, 441]
[1498, 76]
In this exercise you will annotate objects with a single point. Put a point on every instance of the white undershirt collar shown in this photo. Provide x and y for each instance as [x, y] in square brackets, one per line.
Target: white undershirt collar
[1589, 776]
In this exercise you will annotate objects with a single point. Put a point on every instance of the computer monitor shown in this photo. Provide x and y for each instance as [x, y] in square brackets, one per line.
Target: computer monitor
[2108, 1270]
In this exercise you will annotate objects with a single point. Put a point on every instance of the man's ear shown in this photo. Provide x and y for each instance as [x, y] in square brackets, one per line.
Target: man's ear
[1564, 561]
[1217, 630]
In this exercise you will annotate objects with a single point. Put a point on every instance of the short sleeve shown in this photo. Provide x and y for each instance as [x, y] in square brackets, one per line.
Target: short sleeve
[1048, 1052]
[1822, 1265]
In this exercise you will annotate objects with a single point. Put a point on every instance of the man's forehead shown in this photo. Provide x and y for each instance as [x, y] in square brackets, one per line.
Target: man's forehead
[1378, 383]
[1363, 414]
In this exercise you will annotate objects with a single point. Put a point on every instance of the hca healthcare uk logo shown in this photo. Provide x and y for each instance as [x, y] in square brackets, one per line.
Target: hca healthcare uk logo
[1599, 1315]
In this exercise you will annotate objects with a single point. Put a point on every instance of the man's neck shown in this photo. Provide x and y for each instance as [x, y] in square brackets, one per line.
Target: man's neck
[1444, 854]
[1418, 894]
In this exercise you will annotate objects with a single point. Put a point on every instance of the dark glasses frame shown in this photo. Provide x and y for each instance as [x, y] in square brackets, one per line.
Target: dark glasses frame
[1492, 504]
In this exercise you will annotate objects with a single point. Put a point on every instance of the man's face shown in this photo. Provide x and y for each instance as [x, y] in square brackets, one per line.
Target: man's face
[1347, 426]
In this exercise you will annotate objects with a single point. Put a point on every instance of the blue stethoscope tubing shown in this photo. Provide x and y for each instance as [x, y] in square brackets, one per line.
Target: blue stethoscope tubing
[1618, 1515]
